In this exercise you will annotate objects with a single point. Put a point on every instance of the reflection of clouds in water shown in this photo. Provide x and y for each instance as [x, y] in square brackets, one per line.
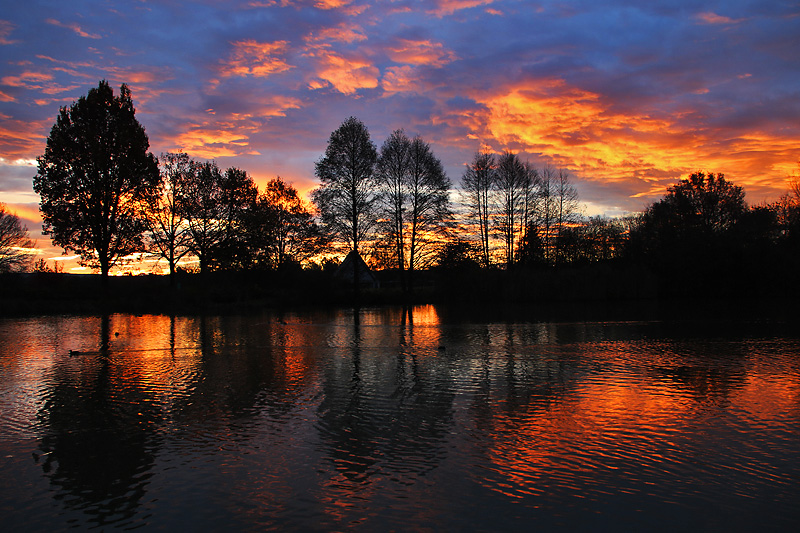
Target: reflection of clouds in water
[328, 419]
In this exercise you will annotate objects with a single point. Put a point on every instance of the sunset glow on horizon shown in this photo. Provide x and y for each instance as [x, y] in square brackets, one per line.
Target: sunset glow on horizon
[629, 99]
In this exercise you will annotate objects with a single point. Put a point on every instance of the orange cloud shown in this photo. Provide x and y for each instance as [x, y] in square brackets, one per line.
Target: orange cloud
[6, 97]
[344, 33]
[276, 105]
[346, 75]
[252, 58]
[713, 18]
[576, 129]
[37, 81]
[346, 6]
[230, 136]
[331, 4]
[74, 27]
[420, 53]
[25, 211]
[74, 65]
[448, 7]
[21, 139]
[399, 79]
[5, 31]
[29, 80]
[208, 142]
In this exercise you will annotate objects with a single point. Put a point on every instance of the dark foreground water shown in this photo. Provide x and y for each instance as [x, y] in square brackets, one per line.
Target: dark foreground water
[387, 420]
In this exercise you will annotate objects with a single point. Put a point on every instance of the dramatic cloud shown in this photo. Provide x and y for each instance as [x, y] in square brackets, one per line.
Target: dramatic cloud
[252, 58]
[628, 97]
[345, 74]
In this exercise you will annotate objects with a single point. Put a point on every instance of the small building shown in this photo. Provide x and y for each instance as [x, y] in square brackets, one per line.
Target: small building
[363, 274]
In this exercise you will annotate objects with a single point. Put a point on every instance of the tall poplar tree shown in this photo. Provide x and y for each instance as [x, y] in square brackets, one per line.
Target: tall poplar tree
[415, 194]
[429, 204]
[93, 176]
[394, 165]
[513, 186]
[478, 183]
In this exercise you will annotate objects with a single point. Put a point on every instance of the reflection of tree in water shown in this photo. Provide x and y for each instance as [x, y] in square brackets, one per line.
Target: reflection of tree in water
[520, 372]
[385, 415]
[244, 373]
[98, 444]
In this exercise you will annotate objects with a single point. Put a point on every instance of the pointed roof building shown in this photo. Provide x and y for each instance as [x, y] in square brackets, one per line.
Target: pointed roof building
[364, 276]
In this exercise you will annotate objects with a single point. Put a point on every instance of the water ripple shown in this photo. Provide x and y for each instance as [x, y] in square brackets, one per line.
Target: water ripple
[382, 420]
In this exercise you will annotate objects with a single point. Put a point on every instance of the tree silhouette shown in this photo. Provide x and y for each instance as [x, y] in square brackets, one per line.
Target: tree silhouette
[213, 204]
[530, 252]
[238, 192]
[478, 182]
[691, 215]
[346, 197]
[94, 174]
[705, 202]
[415, 194]
[546, 212]
[13, 242]
[280, 229]
[169, 236]
[691, 230]
[393, 168]
[513, 183]
[201, 205]
[429, 205]
[566, 207]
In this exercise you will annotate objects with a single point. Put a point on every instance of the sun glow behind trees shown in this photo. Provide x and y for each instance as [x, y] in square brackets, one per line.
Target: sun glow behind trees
[393, 207]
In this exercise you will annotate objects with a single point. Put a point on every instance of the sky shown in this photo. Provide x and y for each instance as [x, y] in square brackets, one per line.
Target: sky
[627, 96]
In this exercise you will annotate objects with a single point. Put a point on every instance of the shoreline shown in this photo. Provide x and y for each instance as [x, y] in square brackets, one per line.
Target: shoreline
[44, 294]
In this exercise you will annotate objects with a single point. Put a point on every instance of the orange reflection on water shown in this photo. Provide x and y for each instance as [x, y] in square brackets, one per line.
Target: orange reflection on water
[155, 353]
[605, 422]
[425, 315]
[767, 396]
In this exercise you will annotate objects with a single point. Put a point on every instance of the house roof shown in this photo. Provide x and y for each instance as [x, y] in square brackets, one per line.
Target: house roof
[351, 262]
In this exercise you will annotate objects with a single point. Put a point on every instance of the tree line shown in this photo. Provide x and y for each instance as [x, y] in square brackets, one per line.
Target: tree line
[104, 196]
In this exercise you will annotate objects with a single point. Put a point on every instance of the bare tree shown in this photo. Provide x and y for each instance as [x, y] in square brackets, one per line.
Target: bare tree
[477, 183]
[566, 204]
[169, 235]
[393, 168]
[429, 204]
[415, 200]
[530, 187]
[513, 187]
[15, 245]
[545, 212]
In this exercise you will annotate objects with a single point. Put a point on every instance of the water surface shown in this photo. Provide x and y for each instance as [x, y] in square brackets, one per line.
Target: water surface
[390, 419]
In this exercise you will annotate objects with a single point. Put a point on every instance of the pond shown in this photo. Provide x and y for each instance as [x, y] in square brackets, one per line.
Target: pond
[384, 418]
